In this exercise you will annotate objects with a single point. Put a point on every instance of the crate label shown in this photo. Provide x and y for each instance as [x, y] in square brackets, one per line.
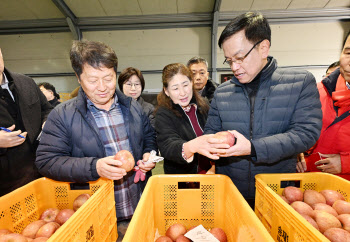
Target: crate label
[282, 236]
[200, 234]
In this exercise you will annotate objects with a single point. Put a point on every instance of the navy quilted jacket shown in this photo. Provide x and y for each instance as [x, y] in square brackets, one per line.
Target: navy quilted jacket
[71, 145]
[287, 120]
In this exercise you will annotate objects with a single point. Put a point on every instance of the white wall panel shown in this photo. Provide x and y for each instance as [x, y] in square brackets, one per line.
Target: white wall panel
[28, 9]
[292, 45]
[37, 53]
[153, 49]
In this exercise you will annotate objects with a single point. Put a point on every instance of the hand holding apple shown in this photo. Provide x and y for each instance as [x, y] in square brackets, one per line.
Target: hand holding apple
[242, 147]
[109, 168]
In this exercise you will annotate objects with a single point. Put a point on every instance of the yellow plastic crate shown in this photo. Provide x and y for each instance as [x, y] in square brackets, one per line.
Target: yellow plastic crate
[94, 221]
[279, 218]
[212, 201]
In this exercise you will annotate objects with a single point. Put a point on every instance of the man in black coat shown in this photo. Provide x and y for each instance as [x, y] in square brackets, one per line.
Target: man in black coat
[202, 83]
[23, 110]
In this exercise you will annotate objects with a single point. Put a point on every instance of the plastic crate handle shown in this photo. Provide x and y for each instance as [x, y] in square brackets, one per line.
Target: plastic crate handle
[79, 186]
[189, 185]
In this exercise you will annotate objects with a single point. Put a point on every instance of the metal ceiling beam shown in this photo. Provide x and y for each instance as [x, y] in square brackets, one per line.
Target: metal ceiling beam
[294, 15]
[33, 26]
[167, 21]
[159, 21]
[214, 37]
[71, 19]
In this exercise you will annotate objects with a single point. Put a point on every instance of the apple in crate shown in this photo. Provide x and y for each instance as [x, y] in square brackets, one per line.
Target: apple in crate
[219, 233]
[32, 228]
[64, 215]
[4, 231]
[13, 238]
[47, 230]
[226, 137]
[49, 215]
[80, 200]
[126, 158]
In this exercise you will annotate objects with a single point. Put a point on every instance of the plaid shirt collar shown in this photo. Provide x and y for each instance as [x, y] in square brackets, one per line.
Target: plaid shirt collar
[91, 105]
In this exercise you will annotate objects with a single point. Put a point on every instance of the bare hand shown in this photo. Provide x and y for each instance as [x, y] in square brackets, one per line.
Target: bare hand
[145, 167]
[206, 145]
[242, 146]
[301, 164]
[108, 167]
[11, 139]
[212, 168]
[331, 164]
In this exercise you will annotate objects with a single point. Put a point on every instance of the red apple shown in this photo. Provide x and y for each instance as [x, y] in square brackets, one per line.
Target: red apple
[47, 230]
[40, 239]
[219, 234]
[80, 200]
[4, 231]
[182, 238]
[49, 215]
[126, 158]
[64, 215]
[226, 137]
[175, 231]
[164, 239]
[13, 238]
[32, 228]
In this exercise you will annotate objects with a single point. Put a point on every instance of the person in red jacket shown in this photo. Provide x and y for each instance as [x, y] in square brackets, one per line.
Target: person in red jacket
[331, 153]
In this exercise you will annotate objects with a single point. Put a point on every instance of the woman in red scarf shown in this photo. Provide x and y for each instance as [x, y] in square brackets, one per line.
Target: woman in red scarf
[331, 153]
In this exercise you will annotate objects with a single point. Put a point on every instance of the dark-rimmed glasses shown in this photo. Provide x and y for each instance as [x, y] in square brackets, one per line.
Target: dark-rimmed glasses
[240, 60]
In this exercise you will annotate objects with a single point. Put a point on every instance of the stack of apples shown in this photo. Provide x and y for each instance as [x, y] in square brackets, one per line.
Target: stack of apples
[177, 232]
[49, 222]
[326, 210]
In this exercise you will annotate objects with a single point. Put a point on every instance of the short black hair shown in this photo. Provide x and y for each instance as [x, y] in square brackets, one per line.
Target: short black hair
[255, 25]
[49, 86]
[93, 53]
[334, 64]
[197, 60]
[127, 73]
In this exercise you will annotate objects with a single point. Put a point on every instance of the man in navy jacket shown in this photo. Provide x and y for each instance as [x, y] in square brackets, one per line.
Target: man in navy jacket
[274, 113]
[82, 135]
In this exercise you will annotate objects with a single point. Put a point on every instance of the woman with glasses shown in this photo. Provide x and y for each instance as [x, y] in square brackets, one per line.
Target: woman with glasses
[132, 84]
[180, 118]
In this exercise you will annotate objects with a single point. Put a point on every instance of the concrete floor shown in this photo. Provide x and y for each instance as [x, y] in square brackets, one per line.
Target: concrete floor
[158, 169]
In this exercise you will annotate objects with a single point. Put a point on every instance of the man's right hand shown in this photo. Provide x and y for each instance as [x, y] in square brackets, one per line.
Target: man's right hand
[108, 167]
[11, 139]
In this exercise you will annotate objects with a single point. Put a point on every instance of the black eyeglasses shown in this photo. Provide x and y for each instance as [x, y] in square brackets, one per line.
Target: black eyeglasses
[240, 60]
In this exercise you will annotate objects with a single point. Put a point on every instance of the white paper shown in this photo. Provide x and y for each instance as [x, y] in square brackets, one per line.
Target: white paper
[200, 234]
[154, 158]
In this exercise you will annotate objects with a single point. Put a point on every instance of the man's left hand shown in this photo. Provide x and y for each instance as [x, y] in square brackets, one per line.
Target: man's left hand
[241, 148]
[145, 167]
[330, 164]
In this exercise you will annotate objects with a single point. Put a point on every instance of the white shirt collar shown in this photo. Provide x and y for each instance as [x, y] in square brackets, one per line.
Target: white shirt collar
[5, 85]
[347, 85]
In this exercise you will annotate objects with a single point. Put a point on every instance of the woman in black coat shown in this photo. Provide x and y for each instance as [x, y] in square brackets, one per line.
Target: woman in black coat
[179, 122]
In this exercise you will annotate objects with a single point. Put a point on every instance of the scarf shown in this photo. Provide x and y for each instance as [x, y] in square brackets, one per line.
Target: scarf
[341, 96]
